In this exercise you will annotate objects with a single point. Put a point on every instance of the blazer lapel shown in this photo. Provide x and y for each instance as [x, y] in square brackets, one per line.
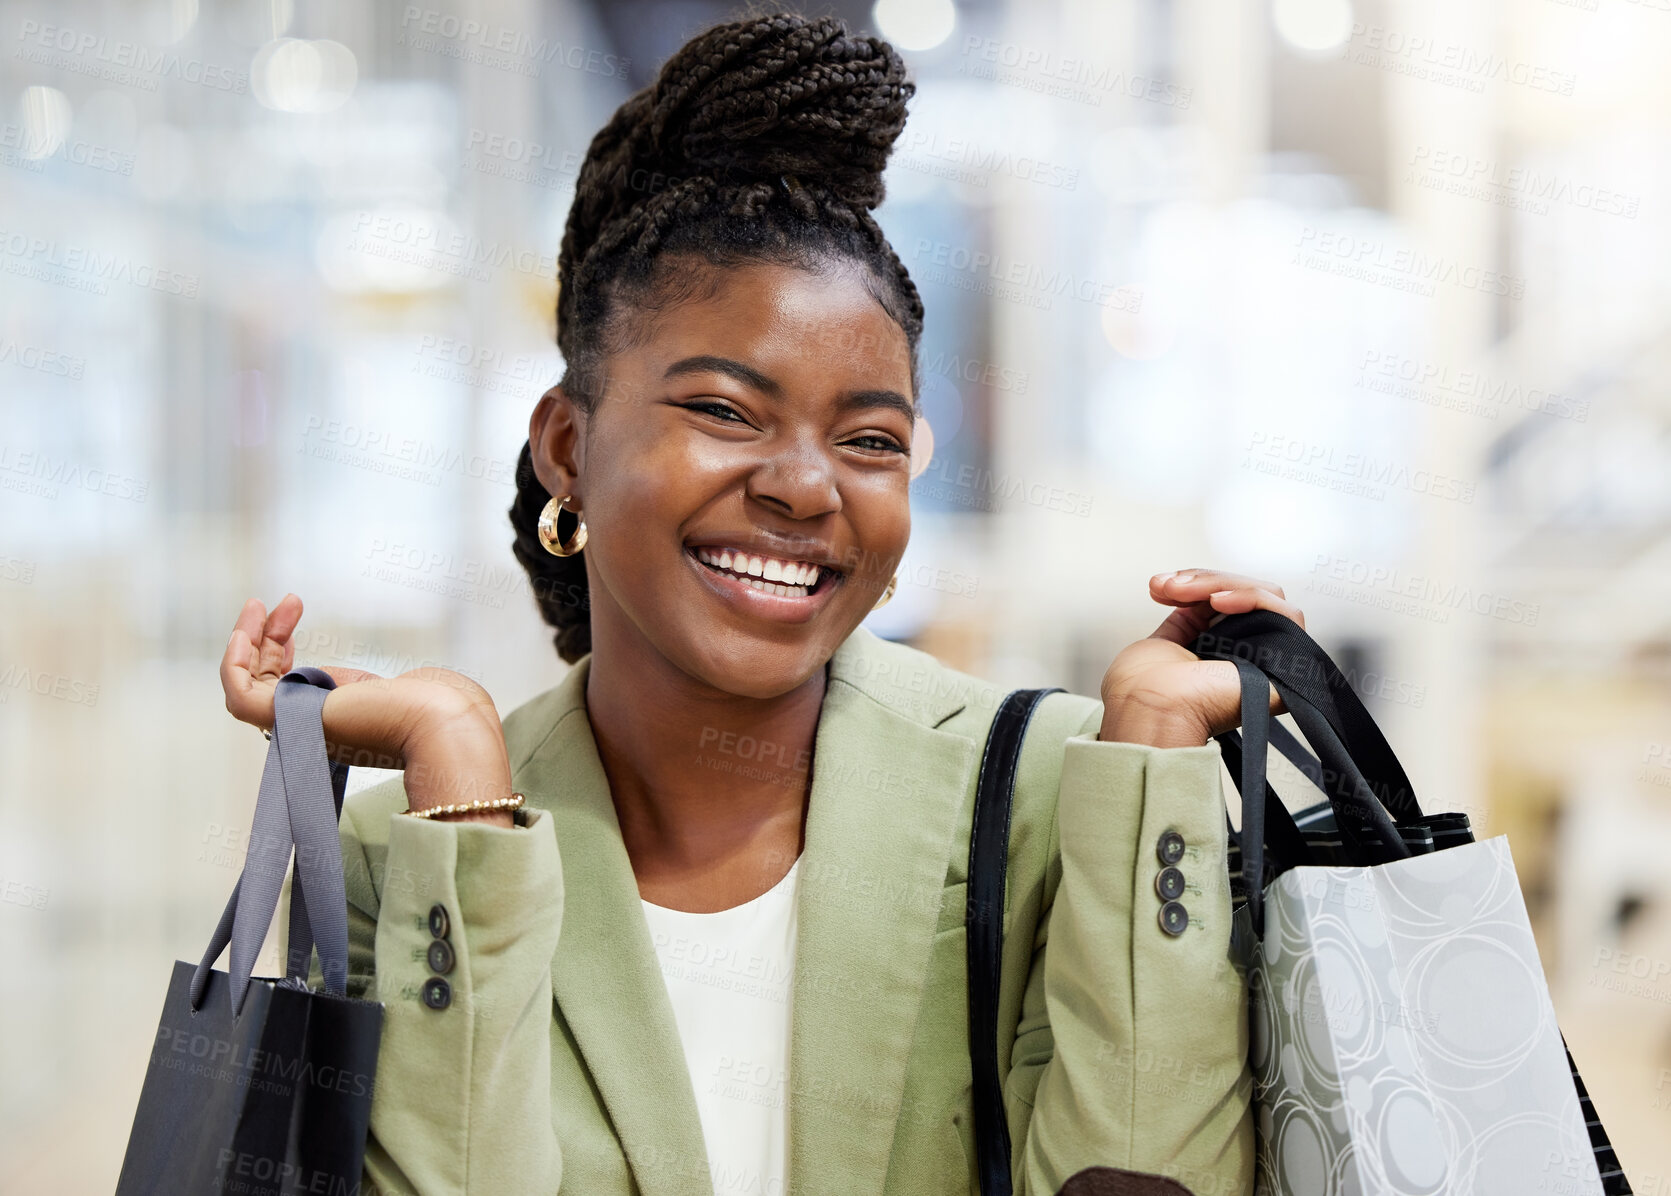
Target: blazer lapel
[605, 974]
[886, 804]
[887, 800]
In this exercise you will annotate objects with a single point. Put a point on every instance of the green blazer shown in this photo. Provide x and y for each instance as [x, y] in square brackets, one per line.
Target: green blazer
[556, 1062]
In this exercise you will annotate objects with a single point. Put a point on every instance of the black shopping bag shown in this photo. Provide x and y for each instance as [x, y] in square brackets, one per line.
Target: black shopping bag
[263, 1086]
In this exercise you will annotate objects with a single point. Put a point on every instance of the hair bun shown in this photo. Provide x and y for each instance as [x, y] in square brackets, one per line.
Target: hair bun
[781, 95]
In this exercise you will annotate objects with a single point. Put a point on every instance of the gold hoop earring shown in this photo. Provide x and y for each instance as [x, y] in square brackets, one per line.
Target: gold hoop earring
[551, 539]
[887, 593]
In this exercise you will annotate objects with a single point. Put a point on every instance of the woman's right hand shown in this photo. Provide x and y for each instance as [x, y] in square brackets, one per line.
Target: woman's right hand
[438, 725]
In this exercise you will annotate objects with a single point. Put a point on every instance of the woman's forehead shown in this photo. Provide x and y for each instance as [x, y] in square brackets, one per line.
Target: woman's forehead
[828, 319]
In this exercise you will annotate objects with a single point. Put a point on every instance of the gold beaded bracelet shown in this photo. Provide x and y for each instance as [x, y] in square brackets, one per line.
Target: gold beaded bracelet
[513, 802]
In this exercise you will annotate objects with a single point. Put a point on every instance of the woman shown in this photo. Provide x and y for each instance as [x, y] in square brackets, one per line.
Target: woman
[720, 947]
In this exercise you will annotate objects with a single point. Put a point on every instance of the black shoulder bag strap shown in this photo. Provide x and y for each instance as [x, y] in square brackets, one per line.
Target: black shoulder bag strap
[989, 846]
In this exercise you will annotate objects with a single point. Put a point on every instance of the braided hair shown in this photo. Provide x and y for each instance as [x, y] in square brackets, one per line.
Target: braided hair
[762, 140]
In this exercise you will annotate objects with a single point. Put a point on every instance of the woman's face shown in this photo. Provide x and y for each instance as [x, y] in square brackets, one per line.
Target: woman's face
[768, 417]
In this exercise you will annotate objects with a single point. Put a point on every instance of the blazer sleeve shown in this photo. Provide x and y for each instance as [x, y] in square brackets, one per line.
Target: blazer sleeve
[1129, 1071]
[461, 1100]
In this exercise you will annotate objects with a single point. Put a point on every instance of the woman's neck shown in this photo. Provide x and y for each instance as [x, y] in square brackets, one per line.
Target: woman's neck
[710, 789]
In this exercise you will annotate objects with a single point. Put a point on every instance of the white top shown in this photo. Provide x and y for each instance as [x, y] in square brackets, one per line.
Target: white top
[730, 976]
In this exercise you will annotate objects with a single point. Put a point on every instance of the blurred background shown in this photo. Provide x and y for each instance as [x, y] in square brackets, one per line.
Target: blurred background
[1365, 297]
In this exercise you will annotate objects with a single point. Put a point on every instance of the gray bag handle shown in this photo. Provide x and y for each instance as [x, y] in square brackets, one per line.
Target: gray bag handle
[298, 807]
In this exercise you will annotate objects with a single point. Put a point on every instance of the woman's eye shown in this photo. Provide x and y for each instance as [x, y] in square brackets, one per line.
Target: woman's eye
[886, 443]
[882, 442]
[731, 415]
[717, 408]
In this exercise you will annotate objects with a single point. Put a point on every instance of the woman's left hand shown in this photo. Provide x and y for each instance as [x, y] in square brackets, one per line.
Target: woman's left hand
[1160, 693]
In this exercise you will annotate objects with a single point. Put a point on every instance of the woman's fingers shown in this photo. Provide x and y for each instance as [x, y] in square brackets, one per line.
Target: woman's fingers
[1194, 585]
[235, 679]
[250, 621]
[1234, 602]
[1203, 596]
[258, 652]
[1184, 624]
[277, 650]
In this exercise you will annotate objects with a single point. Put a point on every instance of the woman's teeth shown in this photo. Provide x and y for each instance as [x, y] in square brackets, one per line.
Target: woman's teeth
[792, 579]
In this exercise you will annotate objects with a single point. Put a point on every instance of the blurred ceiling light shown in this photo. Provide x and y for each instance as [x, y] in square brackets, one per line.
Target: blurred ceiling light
[45, 113]
[168, 21]
[293, 74]
[279, 15]
[915, 24]
[1313, 27]
[1138, 323]
[182, 15]
[164, 164]
[393, 250]
[257, 22]
[108, 118]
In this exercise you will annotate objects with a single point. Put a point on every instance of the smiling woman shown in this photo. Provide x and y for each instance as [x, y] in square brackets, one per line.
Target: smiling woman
[721, 946]
[757, 442]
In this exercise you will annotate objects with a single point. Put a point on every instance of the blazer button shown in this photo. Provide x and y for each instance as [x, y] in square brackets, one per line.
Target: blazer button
[438, 922]
[1169, 883]
[440, 956]
[1173, 918]
[1170, 847]
[438, 994]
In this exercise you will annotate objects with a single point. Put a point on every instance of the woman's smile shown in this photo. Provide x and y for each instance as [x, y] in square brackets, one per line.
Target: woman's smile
[783, 589]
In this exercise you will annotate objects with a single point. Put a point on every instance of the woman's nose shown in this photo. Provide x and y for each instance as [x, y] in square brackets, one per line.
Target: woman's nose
[798, 480]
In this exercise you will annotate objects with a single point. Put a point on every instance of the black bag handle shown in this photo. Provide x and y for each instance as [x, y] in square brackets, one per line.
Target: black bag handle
[298, 806]
[1362, 778]
[989, 844]
[1297, 664]
[1256, 801]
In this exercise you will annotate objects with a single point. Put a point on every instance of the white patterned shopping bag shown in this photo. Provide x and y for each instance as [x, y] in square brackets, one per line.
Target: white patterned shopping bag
[1402, 1038]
